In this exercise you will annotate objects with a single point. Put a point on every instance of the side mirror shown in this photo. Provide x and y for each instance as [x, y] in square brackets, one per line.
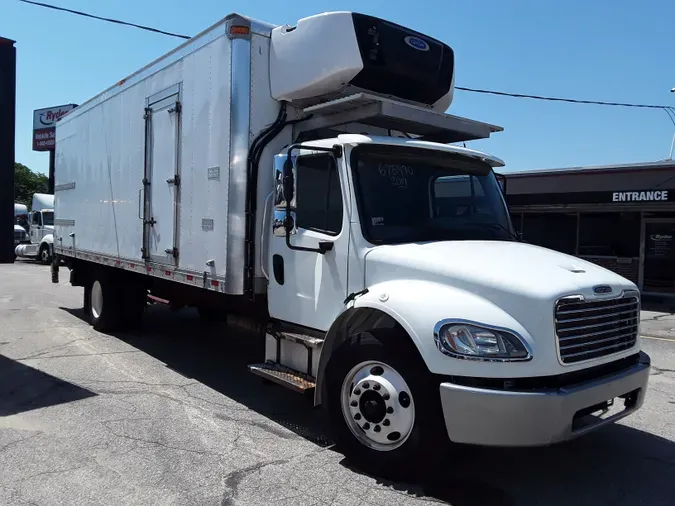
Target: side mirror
[284, 182]
[283, 224]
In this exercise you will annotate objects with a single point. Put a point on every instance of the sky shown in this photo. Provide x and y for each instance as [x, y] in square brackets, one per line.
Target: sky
[608, 50]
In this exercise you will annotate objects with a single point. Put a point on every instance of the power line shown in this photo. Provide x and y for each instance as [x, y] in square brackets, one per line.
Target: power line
[560, 99]
[109, 20]
[668, 109]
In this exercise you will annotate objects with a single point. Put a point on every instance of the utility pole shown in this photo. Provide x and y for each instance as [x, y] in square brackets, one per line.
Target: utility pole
[7, 130]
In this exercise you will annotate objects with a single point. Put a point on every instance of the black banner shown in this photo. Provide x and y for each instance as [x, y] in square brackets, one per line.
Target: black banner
[651, 196]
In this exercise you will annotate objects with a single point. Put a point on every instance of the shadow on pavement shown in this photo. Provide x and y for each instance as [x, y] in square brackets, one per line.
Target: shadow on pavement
[23, 388]
[616, 465]
[218, 357]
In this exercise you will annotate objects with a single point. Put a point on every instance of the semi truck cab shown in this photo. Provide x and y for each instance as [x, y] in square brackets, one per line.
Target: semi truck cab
[527, 346]
[40, 230]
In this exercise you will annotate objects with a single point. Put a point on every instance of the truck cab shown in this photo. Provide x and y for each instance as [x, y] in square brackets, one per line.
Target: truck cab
[40, 230]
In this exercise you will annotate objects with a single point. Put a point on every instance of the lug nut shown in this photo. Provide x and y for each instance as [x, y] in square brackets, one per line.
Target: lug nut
[377, 428]
[385, 396]
[366, 385]
[354, 404]
[357, 391]
[366, 426]
[386, 423]
[357, 416]
[390, 410]
[376, 386]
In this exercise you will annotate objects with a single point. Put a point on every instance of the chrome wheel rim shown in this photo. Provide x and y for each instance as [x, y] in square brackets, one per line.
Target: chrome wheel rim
[96, 299]
[45, 255]
[377, 405]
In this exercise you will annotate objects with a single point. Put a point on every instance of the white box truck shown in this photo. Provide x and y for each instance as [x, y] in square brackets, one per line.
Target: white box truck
[307, 180]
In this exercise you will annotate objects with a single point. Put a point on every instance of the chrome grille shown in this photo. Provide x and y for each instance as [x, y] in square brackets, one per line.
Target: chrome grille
[593, 329]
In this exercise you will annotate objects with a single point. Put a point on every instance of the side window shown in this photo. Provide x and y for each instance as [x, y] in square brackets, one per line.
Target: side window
[318, 199]
[37, 219]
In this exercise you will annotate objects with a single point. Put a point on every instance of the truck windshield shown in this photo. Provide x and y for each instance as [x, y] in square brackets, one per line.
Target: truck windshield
[48, 218]
[409, 194]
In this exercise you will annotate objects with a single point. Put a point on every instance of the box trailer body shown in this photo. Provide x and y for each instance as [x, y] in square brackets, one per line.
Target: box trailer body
[304, 182]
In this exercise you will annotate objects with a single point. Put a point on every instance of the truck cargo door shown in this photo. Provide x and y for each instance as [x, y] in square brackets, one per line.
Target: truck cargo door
[162, 176]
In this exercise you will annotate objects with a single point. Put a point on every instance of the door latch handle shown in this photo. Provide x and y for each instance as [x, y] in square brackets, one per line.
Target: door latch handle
[174, 180]
[139, 204]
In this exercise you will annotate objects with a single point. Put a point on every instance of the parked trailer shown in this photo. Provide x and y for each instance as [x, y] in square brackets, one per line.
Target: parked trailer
[306, 180]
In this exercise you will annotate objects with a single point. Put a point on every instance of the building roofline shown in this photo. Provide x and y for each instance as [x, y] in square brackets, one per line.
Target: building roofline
[665, 164]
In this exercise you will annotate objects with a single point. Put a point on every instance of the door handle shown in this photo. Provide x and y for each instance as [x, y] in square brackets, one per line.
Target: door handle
[139, 204]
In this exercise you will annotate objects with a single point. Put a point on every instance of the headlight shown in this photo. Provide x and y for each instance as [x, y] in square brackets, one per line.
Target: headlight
[472, 341]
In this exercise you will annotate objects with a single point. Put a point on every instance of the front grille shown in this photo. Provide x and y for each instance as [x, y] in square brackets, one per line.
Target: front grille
[593, 329]
[19, 236]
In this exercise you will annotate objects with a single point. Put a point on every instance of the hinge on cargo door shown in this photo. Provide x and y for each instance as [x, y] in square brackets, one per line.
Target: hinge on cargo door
[146, 181]
[175, 180]
[172, 251]
[150, 222]
[176, 108]
[147, 113]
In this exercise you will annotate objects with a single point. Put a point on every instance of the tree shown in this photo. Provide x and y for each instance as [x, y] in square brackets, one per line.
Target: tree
[27, 182]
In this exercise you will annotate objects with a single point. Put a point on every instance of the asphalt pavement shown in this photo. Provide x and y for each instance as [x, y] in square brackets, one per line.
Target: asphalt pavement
[171, 416]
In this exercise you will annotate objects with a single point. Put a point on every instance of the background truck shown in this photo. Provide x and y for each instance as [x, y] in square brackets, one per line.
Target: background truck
[20, 219]
[305, 182]
[40, 230]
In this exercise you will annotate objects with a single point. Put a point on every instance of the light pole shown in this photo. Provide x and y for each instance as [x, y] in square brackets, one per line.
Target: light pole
[672, 144]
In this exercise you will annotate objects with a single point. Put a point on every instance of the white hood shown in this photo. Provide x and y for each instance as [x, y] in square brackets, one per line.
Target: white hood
[492, 269]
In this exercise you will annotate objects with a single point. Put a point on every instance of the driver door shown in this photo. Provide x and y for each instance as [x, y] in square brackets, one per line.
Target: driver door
[308, 288]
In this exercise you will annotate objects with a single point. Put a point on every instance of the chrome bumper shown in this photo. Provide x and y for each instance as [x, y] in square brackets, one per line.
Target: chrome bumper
[539, 417]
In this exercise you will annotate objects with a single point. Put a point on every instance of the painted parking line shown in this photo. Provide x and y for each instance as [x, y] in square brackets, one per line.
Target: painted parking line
[658, 338]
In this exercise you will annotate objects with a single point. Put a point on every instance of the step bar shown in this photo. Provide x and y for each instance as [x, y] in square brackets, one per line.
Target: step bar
[283, 376]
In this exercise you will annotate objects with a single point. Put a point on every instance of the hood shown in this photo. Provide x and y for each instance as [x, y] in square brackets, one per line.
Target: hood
[493, 269]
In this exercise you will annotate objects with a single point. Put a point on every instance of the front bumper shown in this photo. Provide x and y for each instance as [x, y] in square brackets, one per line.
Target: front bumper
[539, 417]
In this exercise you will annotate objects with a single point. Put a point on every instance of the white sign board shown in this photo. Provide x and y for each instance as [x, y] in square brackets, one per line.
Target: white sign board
[44, 126]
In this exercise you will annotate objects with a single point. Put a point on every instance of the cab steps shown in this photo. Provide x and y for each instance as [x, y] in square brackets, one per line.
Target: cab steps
[284, 376]
[291, 360]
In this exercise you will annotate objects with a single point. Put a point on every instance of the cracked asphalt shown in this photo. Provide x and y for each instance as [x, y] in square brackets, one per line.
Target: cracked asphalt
[171, 416]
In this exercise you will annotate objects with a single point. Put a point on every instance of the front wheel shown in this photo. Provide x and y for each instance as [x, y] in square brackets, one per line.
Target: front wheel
[45, 255]
[383, 406]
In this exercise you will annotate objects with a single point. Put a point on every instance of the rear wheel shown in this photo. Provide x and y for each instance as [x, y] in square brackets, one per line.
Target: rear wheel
[383, 405]
[102, 303]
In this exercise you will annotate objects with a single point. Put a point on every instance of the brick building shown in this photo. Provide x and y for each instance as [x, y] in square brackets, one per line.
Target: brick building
[621, 217]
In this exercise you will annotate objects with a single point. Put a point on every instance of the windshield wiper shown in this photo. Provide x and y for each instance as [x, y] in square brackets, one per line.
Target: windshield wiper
[498, 225]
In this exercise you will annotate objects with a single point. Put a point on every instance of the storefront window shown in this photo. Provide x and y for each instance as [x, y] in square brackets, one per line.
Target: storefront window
[609, 234]
[555, 231]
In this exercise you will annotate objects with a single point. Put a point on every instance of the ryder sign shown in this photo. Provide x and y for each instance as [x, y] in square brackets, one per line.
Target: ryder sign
[44, 126]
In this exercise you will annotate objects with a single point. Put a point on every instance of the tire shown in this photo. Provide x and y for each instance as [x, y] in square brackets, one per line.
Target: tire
[102, 303]
[364, 429]
[44, 255]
